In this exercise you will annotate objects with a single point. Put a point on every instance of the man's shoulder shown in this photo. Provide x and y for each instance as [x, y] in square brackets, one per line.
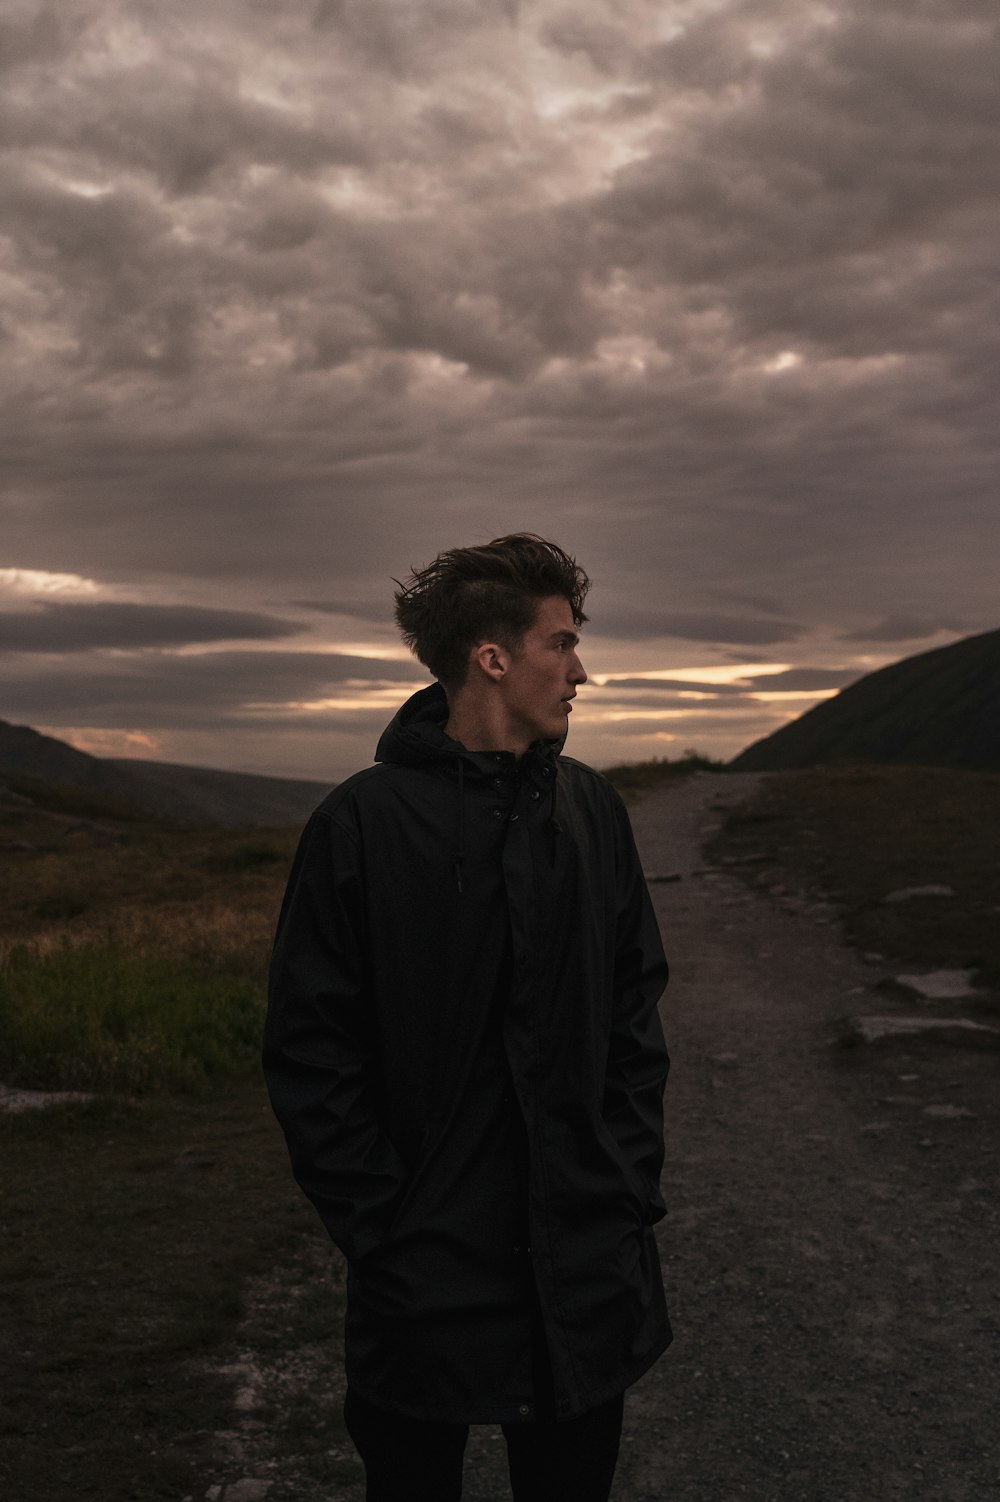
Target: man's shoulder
[577, 774]
[370, 787]
[363, 784]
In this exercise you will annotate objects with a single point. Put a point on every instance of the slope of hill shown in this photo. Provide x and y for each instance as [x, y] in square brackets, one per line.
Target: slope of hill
[26, 751]
[938, 709]
[189, 795]
[208, 796]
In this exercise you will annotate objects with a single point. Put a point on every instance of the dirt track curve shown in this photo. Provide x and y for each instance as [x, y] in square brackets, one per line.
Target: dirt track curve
[831, 1246]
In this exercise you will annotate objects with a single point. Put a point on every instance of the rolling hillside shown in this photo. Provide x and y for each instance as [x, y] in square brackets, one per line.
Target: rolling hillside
[938, 709]
[189, 795]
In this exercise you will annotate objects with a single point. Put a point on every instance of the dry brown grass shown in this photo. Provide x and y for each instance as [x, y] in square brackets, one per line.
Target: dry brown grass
[193, 892]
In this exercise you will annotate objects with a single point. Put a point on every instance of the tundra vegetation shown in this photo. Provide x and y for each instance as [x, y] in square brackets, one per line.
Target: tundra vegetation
[135, 1225]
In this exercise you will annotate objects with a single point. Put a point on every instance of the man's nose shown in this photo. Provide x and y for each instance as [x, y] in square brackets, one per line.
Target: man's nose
[578, 673]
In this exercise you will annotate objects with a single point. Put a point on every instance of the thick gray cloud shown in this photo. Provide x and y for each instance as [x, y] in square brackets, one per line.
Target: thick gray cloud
[907, 628]
[700, 626]
[809, 680]
[166, 687]
[294, 296]
[69, 626]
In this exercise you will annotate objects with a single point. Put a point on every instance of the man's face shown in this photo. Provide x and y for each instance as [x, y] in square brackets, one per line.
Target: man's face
[544, 674]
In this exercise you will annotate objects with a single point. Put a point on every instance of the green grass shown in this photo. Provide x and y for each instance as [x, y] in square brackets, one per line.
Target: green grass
[99, 1016]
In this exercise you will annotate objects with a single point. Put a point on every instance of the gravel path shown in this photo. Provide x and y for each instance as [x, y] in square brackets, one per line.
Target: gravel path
[831, 1249]
[831, 1245]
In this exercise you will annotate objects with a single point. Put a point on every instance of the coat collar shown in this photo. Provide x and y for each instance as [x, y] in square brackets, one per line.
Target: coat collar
[415, 736]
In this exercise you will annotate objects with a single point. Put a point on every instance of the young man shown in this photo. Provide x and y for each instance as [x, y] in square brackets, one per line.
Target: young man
[464, 1051]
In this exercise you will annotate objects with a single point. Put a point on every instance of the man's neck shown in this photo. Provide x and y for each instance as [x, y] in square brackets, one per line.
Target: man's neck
[478, 729]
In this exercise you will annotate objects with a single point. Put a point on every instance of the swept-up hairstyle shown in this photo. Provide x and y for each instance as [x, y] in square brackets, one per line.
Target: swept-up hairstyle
[487, 593]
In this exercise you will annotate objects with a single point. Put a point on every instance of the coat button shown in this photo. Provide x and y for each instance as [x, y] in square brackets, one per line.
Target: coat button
[524, 1410]
[498, 813]
[514, 818]
[535, 793]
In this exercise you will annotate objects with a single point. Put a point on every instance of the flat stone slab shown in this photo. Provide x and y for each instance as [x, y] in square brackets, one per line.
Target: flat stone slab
[938, 985]
[960, 1032]
[932, 890]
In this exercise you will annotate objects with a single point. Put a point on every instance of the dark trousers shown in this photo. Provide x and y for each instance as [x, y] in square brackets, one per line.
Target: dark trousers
[410, 1460]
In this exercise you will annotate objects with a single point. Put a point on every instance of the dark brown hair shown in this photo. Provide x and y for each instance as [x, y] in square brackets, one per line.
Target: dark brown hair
[487, 593]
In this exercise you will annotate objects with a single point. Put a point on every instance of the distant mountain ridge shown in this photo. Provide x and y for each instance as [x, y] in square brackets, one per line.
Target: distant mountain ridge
[936, 709]
[189, 795]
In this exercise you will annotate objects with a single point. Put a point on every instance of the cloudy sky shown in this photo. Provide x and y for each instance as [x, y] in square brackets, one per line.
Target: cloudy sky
[293, 296]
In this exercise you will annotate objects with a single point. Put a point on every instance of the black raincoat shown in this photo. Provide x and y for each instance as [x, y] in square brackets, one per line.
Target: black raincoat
[464, 1051]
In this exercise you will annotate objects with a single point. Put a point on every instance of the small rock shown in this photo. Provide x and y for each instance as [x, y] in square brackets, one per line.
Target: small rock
[213, 1494]
[947, 1112]
[229, 1440]
[725, 1060]
[959, 1031]
[247, 1490]
[932, 890]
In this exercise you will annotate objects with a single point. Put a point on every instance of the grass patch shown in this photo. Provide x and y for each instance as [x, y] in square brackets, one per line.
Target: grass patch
[103, 1017]
[857, 832]
[632, 779]
[76, 878]
[130, 1233]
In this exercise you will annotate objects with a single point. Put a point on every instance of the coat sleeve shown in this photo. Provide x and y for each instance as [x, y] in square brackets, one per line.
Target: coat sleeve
[318, 1043]
[637, 1056]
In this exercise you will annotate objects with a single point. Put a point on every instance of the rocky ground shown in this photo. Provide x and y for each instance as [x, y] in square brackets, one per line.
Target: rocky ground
[830, 1250]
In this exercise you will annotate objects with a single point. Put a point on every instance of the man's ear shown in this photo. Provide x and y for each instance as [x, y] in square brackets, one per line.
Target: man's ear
[492, 659]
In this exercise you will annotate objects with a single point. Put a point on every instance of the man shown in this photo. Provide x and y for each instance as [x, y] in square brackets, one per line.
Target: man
[464, 1051]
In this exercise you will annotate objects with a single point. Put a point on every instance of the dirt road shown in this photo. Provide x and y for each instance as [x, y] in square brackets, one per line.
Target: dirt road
[832, 1240]
[832, 1247]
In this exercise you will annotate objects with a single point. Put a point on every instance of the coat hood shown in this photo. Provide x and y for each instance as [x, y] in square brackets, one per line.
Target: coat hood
[416, 736]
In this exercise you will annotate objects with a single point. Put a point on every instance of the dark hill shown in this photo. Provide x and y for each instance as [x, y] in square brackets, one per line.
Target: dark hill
[938, 709]
[26, 751]
[209, 796]
[189, 795]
